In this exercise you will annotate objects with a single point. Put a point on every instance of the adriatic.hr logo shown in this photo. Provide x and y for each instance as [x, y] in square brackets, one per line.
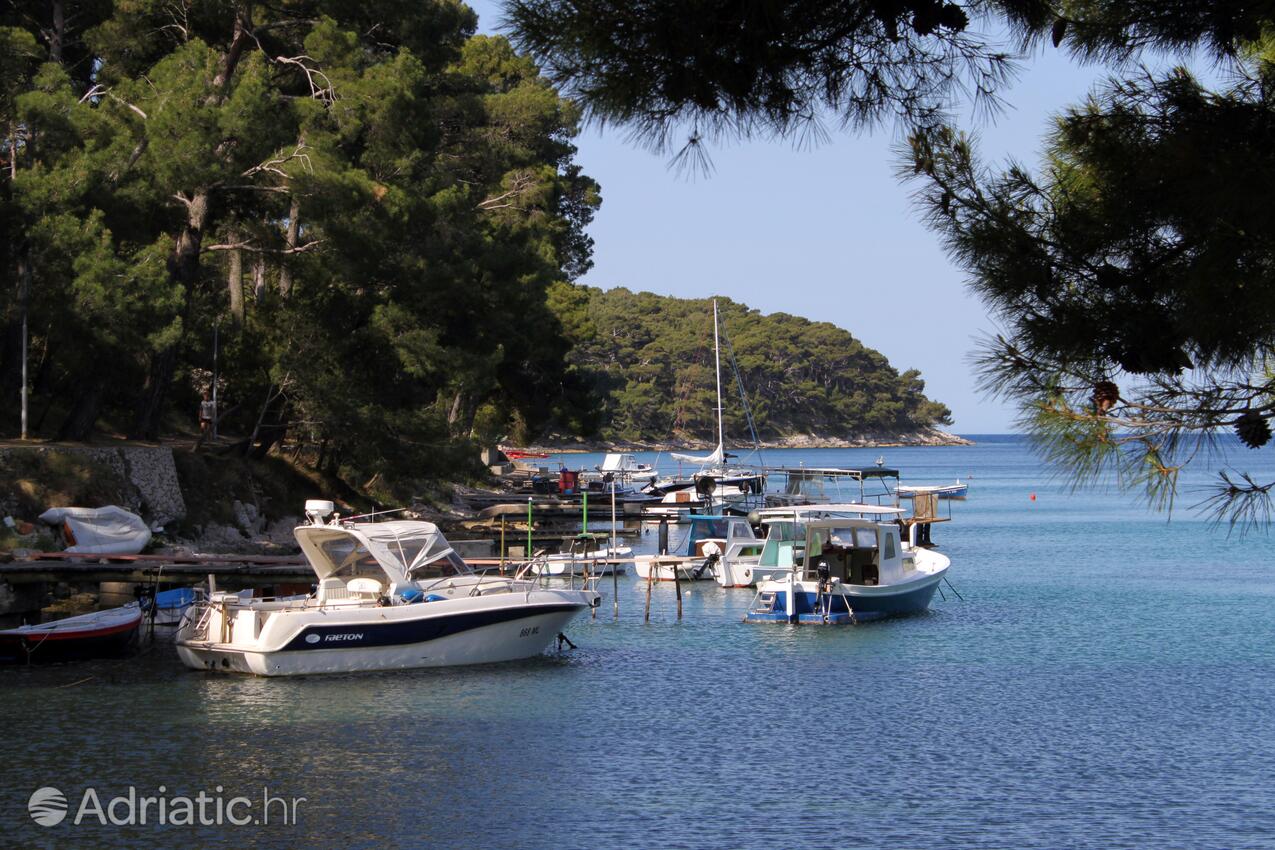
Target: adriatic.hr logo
[49, 807]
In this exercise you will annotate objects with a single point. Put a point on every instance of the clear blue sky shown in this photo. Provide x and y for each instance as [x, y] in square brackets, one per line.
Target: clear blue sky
[829, 234]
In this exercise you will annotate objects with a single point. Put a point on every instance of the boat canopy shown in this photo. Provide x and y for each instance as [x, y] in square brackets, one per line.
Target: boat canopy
[808, 511]
[401, 550]
[717, 457]
[619, 463]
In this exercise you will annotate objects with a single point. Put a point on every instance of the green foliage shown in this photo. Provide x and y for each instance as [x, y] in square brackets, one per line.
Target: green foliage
[369, 202]
[1133, 275]
[650, 359]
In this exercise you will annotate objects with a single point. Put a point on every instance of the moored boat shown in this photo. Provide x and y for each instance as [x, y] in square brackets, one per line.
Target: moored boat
[712, 542]
[390, 595]
[959, 490]
[100, 634]
[850, 570]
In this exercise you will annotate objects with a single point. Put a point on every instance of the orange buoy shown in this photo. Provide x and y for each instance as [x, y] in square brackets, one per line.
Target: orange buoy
[1033, 497]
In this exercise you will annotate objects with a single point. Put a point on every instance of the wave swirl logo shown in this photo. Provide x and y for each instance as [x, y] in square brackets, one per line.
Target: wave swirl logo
[47, 806]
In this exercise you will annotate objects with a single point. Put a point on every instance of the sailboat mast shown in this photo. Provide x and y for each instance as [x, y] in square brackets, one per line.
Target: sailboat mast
[717, 361]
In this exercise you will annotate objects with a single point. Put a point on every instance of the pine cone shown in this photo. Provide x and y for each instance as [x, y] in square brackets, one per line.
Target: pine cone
[1105, 396]
[1253, 429]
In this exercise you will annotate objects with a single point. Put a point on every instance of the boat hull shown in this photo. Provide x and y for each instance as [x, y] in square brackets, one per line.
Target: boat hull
[486, 637]
[663, 568]
[109, 637]
[846, 603]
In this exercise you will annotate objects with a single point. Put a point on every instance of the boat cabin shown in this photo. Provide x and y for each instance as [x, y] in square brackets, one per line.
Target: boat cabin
[720, 530]
[853, 551]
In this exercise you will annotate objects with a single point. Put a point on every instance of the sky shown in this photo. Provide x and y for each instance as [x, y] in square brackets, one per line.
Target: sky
[827, 233]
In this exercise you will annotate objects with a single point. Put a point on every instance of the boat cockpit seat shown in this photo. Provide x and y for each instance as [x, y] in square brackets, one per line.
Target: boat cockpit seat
[332, 588]
[365, 586]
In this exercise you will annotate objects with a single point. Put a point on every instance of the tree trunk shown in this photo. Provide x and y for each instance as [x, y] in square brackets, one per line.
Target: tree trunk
[58, 34]
[234, 281]
[294, 230]
[183, 268]
[259, 280]
[82, 419]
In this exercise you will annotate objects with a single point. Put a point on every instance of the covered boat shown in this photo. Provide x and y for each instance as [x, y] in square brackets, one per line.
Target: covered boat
[100, 531]
[390, 595]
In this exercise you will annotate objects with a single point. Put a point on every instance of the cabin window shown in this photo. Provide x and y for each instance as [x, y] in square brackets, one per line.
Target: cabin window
[888, 547]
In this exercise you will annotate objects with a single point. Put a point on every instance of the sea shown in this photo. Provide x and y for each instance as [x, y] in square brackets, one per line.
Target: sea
[1098, 674]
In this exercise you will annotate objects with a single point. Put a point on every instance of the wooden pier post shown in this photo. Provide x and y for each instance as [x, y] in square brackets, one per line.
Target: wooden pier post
[615, 568]
[650, 576]
[677, 582]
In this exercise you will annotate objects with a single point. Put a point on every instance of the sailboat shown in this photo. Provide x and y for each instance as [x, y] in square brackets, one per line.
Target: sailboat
[717, 480]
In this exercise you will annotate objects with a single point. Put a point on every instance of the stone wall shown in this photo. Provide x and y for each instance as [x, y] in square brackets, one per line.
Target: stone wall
[143, 478]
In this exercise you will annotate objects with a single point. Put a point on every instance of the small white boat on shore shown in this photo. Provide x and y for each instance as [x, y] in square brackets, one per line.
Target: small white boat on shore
[391, 595]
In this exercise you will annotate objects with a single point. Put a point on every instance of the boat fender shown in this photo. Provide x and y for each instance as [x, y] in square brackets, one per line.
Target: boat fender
[412, 594]
[436, 597]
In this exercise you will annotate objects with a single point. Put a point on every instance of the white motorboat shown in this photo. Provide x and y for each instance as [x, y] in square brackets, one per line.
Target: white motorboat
[584, 558]
[959, 490]
[851, 569]
[713, 544]
[391, 595]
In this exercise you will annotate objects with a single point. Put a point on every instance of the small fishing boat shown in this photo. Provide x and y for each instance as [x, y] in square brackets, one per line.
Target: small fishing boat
[851, 569]
[959, 490]
[390, 595]
[711, 541]
[169, 608]
[100, 634]
[523, 454]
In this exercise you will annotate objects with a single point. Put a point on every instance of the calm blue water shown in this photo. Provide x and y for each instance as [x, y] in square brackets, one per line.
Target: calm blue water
[1106, 682]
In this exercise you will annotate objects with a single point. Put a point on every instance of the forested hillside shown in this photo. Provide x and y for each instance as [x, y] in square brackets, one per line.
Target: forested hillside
[364, 204]
[648, 359]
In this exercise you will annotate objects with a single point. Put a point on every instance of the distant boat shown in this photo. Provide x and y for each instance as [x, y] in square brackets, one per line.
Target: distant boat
[100, 634]
[959, 490]
[523, 454]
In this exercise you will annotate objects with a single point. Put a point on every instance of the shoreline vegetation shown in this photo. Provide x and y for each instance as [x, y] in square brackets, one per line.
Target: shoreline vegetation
[923, 437]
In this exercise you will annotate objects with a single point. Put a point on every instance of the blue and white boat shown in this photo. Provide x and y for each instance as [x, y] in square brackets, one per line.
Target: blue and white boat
[713, 543]
[391, 595]
[848, 569]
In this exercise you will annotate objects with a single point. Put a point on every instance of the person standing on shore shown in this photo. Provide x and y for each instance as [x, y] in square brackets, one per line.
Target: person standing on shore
[207, 413]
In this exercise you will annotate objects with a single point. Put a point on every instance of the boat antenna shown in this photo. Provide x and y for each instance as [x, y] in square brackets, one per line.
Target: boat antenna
[375, 513]
[717, 361]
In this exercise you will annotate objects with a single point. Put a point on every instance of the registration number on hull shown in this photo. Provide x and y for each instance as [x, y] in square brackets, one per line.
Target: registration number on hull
[529, 631]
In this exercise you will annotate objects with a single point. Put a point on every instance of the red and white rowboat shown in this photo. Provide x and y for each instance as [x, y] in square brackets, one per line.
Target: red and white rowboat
[96, 635]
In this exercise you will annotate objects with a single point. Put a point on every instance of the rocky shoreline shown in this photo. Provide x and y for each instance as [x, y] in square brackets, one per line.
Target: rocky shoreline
[926, 437]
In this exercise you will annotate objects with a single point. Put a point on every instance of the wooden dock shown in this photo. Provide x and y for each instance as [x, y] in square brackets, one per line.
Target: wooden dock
[229, 570]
